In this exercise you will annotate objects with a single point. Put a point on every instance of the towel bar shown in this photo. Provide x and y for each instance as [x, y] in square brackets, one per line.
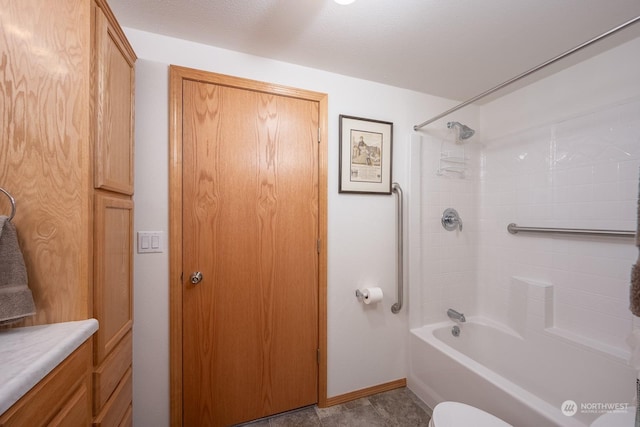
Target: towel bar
[13, 203]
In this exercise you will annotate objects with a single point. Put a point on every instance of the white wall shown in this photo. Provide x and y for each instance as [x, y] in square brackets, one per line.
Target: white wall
[151, 271]
[366, 345]
[565, 152]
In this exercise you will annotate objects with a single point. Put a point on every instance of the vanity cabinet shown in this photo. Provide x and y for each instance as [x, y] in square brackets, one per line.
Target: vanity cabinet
[67, 112]
[62, 398]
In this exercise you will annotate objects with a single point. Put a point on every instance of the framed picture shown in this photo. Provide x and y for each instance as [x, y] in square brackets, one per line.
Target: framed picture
[365, 155]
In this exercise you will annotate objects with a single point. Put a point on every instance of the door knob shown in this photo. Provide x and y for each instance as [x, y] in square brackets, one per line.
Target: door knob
[196, 277]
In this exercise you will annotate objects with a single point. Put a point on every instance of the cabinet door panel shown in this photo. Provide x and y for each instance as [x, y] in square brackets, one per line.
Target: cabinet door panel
[113, 109]
[113, 265]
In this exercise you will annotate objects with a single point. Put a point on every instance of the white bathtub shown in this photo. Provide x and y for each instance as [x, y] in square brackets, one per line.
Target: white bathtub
[522, 381]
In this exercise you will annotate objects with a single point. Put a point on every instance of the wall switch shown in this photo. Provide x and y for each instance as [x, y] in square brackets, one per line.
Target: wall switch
[150, 242]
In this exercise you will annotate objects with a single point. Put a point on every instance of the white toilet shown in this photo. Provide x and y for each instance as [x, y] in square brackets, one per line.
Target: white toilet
[455, 414]
[613, 419]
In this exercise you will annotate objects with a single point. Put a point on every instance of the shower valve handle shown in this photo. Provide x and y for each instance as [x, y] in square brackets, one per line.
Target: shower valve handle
[451, 220]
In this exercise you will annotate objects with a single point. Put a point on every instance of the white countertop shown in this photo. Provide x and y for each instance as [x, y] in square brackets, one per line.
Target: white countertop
[28, 354]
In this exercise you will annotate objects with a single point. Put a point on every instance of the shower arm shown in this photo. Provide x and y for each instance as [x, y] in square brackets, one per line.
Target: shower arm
[526, 73]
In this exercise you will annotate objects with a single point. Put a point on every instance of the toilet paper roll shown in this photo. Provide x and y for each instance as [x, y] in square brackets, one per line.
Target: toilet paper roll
[371, 295]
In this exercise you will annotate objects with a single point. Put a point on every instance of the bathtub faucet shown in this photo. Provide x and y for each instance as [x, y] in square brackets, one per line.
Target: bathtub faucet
[454, 315]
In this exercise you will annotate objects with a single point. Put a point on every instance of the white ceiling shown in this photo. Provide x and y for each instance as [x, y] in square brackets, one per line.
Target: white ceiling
[450, 48]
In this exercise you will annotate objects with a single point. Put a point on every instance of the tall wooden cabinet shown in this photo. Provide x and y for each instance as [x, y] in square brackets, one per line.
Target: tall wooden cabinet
[66, 155]
[113, 76]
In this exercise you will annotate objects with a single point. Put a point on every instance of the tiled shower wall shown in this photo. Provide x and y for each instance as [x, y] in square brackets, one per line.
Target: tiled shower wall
[581, 172]
[449, 278]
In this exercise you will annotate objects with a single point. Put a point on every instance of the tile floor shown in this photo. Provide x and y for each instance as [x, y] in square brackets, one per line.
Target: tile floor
[395, 408]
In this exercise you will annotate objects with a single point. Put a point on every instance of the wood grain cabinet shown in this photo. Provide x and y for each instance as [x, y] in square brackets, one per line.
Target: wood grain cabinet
[112, 290]
[67, 112]
[62, 398]
[113, 62]
[114, 79]
[112, 307]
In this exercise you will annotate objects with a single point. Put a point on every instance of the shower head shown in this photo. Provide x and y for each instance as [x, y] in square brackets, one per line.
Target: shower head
[464, 131]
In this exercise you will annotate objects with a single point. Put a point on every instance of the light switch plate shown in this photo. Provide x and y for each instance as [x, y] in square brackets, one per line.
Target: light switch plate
[150, 242]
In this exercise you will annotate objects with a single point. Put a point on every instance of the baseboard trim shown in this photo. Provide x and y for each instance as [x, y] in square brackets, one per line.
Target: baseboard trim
[365, 392]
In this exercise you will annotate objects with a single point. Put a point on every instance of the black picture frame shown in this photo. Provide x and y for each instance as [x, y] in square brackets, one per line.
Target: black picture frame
[366, 150]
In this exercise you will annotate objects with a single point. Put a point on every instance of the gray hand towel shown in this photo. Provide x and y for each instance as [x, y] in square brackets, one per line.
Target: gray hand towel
[634, 295]
[16, 301]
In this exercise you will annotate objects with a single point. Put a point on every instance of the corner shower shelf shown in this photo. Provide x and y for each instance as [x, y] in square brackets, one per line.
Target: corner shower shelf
[451, 169]
[451, 163]
[454, 159]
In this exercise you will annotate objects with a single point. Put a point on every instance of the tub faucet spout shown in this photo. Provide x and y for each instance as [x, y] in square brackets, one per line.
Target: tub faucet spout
[455, 315]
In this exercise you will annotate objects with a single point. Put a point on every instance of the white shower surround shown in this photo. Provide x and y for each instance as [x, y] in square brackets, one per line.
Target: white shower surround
[581, 172]
[563, 152]
[573, 163]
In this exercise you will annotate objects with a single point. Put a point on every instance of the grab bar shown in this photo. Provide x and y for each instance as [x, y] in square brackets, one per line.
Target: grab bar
[13, 203]
[514, 228]
[395, 187]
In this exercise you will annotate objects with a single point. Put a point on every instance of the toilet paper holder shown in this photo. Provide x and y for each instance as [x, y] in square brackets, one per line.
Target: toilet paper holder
[369, 295]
